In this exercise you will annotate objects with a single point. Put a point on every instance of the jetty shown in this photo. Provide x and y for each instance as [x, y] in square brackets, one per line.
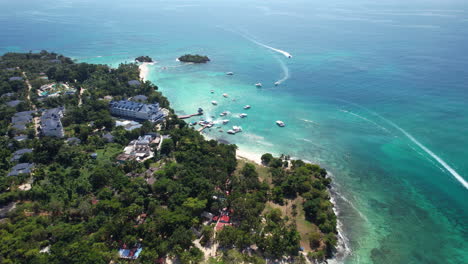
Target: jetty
[189, 116]
[200, 112]
[203, 127]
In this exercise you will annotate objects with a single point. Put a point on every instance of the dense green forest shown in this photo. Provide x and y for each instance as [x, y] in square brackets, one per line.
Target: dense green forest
[194, 58]
[83, 206]
[144, 59]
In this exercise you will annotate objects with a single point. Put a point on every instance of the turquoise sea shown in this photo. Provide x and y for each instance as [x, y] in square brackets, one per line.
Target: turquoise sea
[376, 92]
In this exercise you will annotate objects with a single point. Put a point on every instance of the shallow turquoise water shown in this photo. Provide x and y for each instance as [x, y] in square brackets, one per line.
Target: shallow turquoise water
[355, 67]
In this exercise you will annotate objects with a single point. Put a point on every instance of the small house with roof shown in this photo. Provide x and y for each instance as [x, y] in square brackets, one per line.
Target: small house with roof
[21, 119]
[20, 138]
[134, 83]
[73, 141]
[16, 78]
[21, 168]
[140, 98]
[19, 153]
[108, 137]
[13, 103]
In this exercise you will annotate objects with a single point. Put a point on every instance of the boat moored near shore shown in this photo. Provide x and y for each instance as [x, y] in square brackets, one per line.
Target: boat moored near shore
[247, 107]
[258, 85]
[214, 103]
[243, 115]
[280, 123]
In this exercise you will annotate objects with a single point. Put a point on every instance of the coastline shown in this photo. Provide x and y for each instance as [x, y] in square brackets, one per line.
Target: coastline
[144, 70]
[343, 249]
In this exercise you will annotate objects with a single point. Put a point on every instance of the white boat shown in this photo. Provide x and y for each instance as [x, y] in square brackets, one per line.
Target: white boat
[258, 85]
[280, 123]
[223, 113]
[277, 83]
[243, 115]
[225, 95]
[214, 102]
[230, 131]
[237, 129]
[247, 107]
[229, 73]
[225, 121]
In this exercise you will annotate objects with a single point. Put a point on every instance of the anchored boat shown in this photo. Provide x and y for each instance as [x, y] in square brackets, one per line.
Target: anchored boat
[280, 123]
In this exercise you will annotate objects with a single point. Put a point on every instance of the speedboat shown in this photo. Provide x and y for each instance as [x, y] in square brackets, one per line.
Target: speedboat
[223, 113]
[229, 73]
[214, 102]
[225, 121]
[280, 123]
[247, 107]
[243, 115]
[277, 83]
[258, 85]
[212, 91]
[225, 95]
[237, 129]
[230, 131]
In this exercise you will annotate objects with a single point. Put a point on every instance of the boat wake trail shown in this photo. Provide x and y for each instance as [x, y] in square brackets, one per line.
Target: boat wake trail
[365, 119]
[285, 53]
[285, 72]
[444, 164]
[432, 154]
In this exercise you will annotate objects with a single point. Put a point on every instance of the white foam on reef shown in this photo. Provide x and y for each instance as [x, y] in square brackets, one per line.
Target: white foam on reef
[343, 248]
[454, 173]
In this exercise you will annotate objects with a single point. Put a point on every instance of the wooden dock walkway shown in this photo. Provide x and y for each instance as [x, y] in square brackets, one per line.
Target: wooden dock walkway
[188, 116]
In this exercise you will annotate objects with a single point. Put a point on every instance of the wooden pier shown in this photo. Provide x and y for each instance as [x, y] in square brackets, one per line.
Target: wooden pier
[189, 116]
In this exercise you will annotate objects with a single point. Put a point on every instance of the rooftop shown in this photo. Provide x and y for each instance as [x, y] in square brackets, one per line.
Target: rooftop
[13, 103]
[21, 168]
[16, 78]
[19, 153]
[134, 83]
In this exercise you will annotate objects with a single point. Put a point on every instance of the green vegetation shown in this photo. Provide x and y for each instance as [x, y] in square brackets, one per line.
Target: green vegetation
[82, 209]
[194, 58]
[144, 59]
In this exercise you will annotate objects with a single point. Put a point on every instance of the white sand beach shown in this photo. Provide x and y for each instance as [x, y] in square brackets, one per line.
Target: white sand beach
[144, 70]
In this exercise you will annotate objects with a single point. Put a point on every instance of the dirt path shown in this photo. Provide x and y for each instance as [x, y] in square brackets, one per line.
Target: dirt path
[33, 106]
[80, 101]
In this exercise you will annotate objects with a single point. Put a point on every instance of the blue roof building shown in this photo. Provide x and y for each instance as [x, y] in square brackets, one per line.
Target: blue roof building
[21, 119]
[135, 110]
[51, 124]
[19, 153]
[16, 78]
[134, 83]
[13, 103]
[21, 168]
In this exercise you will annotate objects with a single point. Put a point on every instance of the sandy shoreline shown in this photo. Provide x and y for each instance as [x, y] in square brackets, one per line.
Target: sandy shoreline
[242, 153]
[144, 70]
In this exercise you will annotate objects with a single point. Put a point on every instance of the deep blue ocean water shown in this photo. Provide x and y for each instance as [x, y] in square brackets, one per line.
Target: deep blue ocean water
[377, 92]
